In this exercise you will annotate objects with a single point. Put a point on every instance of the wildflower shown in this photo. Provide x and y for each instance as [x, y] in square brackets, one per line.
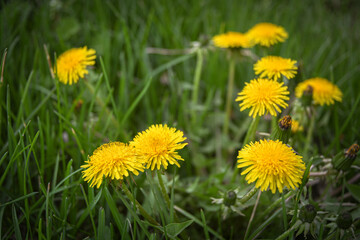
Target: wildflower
[323, 91]
[267, 34]
[113, 160]
[271, 164]
[263, 96]
[158, 145]
[273, 67]
[296, 127]
[71, 65]
[232, 40]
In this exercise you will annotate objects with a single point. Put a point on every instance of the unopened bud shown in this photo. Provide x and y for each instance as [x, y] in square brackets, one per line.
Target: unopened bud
[282, 130]
[344, 220]
[352, 151]
[285, 123]
[344, 160]
[307, 213]
[230, 198]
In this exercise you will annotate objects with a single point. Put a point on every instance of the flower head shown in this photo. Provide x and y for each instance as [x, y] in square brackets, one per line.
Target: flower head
[263, 96]
[273, 67]
[271, 164]
[114, 160]
[323, 91]
[267, 34]
[296, 127]
[157, 146]
[232, 40]
[71, 65]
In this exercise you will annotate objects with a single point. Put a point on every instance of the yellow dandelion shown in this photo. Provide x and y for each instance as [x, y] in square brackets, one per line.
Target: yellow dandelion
[273, 67]
[232, 40]
[267, 34]
[263, 96]
[296, 127]
[323, 91]
[71, 65]
[114, 160]
[158, 145]
[271, 164]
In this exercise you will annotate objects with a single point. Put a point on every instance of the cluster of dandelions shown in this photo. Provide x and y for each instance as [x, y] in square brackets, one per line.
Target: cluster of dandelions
[272, 164]
[155, 147]
[267, 94]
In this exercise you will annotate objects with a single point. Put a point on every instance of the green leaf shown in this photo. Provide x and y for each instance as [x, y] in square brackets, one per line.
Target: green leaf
[174, 229]
[101, 224]
[355, 191]
[16, 224]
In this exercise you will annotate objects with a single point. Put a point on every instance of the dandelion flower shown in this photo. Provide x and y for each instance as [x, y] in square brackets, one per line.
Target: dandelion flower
[323, 91]
[263, 96]
[296, 127]
[271, 164]
[232, 40]
[157, 146]
[267, 34]
[273, 67]
[71, 65]
[114, 160]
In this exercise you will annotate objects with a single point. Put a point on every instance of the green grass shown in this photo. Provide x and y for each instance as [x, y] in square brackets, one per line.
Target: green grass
[45, 136]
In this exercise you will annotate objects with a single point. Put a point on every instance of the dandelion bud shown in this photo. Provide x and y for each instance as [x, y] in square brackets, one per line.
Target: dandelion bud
[344, 160]
[230, 198]
[344, 220]
[282, 130]
[352, 151]
[307, 213]
[307, 95]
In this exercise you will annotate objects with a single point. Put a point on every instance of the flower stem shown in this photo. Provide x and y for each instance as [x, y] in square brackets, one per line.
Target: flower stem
[165, 195]
[284, 211]
[274, 205]
[195, 94]
[286, 233]
[139, 207]
[163, 190]
[101, 103]
[252, 216]
[250, 136]
[309, 136]
[249, 195]
[230, 89]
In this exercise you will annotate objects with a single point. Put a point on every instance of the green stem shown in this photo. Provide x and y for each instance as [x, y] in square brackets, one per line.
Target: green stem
[195, 95]
[249, 195]
[309, 135]
[250, 136]
[165, 195]
[247, 232]
[163, 190]
[285, 234]
[101, 103]
[139, 207]
[274, 205]
[284, 211]
[274, 124]
[230, 89]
